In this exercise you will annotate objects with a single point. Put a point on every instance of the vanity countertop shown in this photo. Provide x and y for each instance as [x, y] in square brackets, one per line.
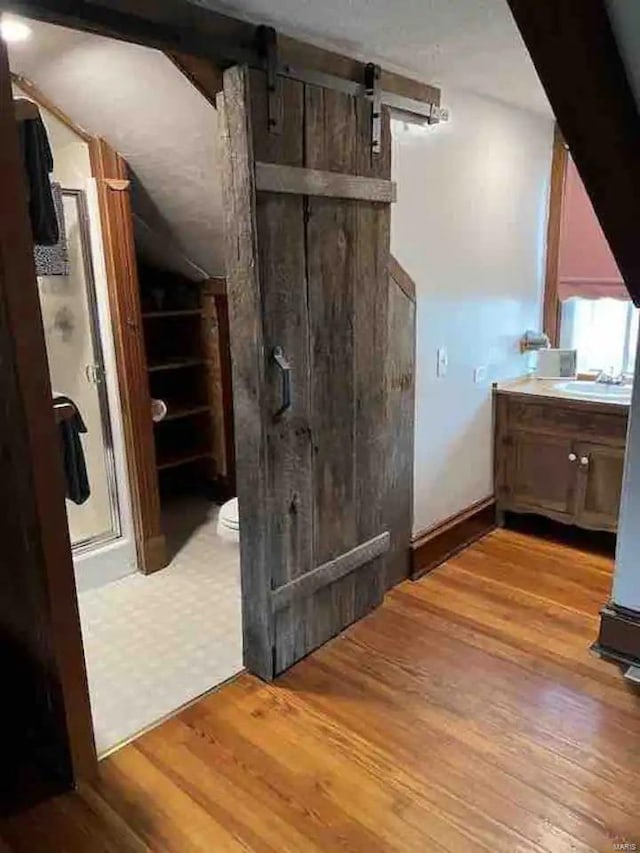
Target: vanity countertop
[607, 395]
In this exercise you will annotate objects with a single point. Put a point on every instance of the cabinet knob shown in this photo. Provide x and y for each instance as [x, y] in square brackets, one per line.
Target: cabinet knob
[584, 460]
[572, 457]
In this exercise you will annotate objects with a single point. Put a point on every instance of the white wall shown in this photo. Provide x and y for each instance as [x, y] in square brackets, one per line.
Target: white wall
[469, 226]
[625, 19]
[626, 577]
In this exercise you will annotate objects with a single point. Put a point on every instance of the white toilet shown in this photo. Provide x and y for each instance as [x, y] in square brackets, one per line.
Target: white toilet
[229, 521]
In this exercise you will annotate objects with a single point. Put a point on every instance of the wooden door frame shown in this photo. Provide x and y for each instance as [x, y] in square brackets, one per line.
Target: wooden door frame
[111, 174]
[551, 306]
[52, 574]
[194, 31]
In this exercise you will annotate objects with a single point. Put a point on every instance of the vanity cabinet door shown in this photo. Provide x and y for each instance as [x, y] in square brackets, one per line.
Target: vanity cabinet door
[541, 474]
[600, 472]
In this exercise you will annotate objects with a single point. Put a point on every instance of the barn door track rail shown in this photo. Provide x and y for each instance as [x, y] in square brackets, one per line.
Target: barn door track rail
[370, 88]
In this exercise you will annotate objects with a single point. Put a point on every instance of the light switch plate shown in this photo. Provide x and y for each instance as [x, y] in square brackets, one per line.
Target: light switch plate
[480, 374]
[442, 362]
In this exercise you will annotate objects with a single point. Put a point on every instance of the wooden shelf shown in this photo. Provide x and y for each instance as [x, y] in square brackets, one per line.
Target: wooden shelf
[178, 312]
[182, 459]
[176, 364]
[183, 412]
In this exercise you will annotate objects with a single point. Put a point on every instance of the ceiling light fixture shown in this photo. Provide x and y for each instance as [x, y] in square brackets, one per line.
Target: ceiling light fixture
[13, 30]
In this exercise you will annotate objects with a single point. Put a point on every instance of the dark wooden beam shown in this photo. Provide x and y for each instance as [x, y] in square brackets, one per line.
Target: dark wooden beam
[180, 27]
[576, 56]
[204, 74]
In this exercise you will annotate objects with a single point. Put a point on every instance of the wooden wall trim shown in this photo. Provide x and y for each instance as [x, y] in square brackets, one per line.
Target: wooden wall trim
[432, 547]
[619, 636]
[402, 278]
[111, 174]
[576, 56]
[204, 74]
[551, 303]
[38, 96]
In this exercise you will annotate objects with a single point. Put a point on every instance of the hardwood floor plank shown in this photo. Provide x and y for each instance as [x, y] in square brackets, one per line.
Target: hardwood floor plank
[466, 713]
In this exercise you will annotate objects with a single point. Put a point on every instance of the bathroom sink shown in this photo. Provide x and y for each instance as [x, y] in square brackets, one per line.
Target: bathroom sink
[599, 390]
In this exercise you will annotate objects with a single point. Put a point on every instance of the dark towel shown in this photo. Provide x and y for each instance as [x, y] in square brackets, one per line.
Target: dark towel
[75, 468]
[54, 260]
[38, 164]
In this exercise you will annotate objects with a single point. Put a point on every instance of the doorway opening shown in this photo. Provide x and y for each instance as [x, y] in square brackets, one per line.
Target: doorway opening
[134, 309]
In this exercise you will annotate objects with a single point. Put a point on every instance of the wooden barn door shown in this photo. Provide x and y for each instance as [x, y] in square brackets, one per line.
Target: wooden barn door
[307, 225]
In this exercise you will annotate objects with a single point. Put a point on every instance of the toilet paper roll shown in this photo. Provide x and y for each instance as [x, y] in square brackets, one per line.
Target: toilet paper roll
[158, 410]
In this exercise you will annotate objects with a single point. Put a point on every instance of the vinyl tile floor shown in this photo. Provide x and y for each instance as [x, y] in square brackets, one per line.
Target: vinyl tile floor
[154, 643]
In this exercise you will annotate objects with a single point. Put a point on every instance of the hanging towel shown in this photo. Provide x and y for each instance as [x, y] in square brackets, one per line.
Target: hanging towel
[75, 468]
[38, 165]
[54, 260]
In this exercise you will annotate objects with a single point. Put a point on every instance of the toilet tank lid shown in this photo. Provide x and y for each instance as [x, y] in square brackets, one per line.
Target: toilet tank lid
[229, 512]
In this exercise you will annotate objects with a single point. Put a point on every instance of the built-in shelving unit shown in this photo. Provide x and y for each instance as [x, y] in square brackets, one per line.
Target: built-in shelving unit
[179, 369]
[181, 459]
[185, 412]
[175, 363]
[178, 312]
[185, 326]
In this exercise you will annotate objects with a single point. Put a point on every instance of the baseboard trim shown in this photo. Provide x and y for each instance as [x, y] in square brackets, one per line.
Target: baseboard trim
[619, 637]
[432, 547]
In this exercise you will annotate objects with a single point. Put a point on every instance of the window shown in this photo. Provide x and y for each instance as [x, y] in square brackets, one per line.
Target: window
[586, 303]
[604, 331]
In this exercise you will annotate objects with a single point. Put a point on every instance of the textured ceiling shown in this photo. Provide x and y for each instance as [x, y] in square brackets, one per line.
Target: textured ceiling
[469, 44]
[146, 109]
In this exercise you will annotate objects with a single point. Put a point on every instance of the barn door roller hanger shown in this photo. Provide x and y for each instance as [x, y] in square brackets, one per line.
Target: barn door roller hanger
[370, 88]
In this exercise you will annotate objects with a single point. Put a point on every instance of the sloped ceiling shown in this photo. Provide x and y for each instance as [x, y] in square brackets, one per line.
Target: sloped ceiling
[148, 111]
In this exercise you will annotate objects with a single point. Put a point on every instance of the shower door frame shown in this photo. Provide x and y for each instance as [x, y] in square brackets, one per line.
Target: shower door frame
[90, 543]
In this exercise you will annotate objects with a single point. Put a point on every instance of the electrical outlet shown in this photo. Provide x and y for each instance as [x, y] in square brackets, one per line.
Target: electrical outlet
[442, 362]
[479, 374]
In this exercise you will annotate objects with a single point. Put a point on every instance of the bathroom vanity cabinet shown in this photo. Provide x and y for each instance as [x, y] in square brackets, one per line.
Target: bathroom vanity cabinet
[560, 458]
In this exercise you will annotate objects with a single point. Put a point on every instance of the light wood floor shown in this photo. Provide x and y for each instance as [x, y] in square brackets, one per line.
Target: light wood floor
[465, 714]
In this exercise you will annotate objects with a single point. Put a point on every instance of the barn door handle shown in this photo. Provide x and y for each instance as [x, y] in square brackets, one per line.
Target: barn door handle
[285, 368]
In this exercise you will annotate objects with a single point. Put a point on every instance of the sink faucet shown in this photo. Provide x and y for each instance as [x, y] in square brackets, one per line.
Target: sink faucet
[610, 378]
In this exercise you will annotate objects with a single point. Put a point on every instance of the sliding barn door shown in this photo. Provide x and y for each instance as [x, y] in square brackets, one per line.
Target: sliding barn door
[307, 225]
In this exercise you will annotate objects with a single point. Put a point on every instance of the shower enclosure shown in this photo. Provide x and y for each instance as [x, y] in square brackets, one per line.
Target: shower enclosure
[76, 366]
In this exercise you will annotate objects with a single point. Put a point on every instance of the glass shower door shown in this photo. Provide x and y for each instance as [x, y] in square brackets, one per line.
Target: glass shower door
[70, 318]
